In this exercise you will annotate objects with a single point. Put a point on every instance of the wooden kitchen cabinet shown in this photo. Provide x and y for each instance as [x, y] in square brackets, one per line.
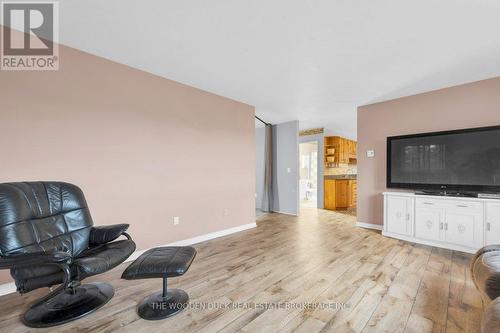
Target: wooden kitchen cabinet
[354, 193]
[329, 189]
[340, 193]
[344, 151]
[353, 147]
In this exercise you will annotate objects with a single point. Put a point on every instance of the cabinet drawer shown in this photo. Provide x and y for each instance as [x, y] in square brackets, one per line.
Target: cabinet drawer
[427, 203]
[469, 205]
[447, 204]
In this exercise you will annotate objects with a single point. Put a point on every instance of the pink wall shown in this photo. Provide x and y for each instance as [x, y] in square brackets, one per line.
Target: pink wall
[142, 148]
[471, 105]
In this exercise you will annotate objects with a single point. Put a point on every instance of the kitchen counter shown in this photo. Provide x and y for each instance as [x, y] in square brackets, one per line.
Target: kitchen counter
[341, 177]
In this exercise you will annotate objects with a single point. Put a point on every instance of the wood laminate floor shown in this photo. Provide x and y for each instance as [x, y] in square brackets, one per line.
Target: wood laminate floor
[314, 273]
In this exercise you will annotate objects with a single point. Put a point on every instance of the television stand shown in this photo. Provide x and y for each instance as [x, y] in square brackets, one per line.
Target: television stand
[448, 194]
[455, 223]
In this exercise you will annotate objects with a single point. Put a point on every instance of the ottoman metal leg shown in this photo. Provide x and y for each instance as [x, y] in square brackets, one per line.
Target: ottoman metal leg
[163, 304]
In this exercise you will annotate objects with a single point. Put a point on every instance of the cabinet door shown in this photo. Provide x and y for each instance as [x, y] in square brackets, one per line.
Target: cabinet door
[399, 215]
[348, 154]
[344, 150]
[330, 194]
[461, 228]
[428, 223]
[492, 223]
[354, 193]
[341, 191]
[349, 193]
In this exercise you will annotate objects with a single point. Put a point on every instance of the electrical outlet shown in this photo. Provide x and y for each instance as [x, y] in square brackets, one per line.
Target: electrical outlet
[288, 170]
[177, 220]
[370, 153]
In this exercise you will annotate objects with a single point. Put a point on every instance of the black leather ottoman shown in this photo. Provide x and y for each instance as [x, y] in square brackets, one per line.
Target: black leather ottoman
[162, 262]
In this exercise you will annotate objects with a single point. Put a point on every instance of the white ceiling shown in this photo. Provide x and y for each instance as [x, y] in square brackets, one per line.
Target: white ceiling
[314, 61]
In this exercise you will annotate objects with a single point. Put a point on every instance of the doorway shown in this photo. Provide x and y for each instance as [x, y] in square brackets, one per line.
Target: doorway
[308, 184]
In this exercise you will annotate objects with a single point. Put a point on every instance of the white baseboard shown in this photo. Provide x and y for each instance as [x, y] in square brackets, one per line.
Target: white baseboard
[284, 213]
[369, 226]
[199, 239]
[7, 288]
[10, 287]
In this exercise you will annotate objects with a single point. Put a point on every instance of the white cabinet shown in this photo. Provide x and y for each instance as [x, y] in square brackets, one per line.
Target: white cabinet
[429, 223]
[492, 228]
[463, 224]
[460, 229]
[399, 215]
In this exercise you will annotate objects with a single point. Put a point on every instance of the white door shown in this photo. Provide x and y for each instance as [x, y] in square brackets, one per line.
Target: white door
[428, 223]
[492, 223]
[399, 215]
[460, 228]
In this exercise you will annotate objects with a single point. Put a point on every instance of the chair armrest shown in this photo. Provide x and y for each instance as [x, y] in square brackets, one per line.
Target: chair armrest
[107, 233]
[29, 259]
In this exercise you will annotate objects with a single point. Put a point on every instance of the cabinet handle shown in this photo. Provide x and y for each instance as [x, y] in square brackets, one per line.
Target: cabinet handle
[407, 216]
[446, 226]
[428, 203]
[441, 226]
[488, 226]
[463, 206]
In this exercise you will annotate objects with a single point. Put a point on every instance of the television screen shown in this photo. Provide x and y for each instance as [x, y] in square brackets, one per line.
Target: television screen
[462, 160]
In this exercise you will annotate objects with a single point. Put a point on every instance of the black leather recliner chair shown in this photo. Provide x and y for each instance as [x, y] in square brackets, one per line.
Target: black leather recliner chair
[47, 238]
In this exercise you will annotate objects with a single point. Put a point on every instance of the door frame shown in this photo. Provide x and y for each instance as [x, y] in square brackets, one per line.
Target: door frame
[319, 138]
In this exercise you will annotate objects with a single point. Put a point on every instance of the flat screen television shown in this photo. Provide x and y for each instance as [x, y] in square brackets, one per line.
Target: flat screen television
[465, 160]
